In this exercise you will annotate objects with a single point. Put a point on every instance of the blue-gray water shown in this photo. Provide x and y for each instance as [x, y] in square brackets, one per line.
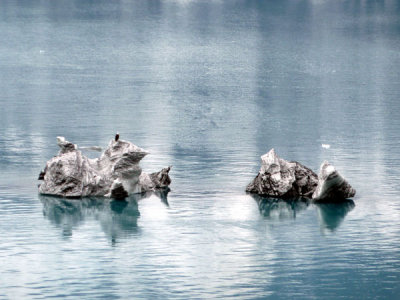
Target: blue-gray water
[208, 87]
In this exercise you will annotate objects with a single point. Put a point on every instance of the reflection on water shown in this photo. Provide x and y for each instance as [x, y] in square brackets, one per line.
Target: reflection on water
[274, 208]
[117, 218]
[163, 195]
[331, 215]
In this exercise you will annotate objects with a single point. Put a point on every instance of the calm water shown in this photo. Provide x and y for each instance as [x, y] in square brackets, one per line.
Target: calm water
[208, 87]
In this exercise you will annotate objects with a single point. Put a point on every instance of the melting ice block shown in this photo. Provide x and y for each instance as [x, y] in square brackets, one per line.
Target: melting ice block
[115, 174]
[331, 185]
[280, 178]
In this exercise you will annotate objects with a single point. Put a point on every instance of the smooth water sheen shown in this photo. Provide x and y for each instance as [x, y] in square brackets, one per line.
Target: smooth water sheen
[208, 87]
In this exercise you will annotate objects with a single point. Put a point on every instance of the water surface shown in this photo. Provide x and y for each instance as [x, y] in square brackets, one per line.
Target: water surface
[207, 87]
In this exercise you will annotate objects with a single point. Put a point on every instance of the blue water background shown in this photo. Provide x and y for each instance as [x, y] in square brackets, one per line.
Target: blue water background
[207, 87]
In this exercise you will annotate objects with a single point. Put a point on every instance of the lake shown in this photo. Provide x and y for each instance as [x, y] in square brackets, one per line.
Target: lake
[207, 87]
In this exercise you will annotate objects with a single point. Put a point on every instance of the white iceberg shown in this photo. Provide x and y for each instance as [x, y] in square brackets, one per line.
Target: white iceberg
[115, 174]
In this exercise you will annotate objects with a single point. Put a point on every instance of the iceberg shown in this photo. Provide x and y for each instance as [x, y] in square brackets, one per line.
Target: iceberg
[116, 173]
[280, 178]
[332, 186]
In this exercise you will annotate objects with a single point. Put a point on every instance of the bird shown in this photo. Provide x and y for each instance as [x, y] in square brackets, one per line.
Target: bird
[117, 137]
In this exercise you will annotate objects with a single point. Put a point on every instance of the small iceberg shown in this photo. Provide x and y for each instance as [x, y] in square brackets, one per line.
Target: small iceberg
[116, 173]
[283, 179]
[279, 178]
[332, 186]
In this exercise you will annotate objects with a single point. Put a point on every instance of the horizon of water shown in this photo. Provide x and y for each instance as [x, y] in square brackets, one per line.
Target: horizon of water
[207, 87]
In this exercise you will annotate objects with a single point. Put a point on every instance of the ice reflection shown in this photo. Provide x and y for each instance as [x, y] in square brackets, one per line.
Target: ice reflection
[163, 195]
[274, 208]
[117, 218]
[331, 215]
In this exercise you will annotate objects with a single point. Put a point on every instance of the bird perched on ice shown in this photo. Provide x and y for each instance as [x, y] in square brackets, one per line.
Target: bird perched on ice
[117, 137]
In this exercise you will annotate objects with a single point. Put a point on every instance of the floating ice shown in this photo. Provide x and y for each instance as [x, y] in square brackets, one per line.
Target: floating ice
[116, 173]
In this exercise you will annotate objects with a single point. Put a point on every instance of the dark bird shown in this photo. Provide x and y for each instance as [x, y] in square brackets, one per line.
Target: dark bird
[117, 137]
[41, 175]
